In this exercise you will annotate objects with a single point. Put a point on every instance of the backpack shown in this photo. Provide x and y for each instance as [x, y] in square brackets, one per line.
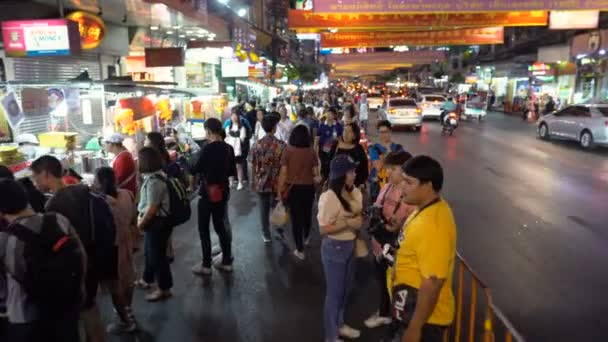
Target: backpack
[179, 201]
[54, 266]
[103, 249]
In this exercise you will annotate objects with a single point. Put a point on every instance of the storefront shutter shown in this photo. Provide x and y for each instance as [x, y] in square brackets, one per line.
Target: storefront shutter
[53, 69]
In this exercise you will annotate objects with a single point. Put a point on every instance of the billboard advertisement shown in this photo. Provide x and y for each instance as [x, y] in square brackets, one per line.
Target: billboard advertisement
[47, 37]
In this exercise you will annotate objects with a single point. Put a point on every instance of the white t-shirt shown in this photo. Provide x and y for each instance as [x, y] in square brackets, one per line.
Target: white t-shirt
[363, 111]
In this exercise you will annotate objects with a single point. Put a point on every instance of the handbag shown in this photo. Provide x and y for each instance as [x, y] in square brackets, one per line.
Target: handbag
[279, 216]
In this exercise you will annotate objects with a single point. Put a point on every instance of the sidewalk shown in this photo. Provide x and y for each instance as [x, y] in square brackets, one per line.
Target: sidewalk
[269, 297]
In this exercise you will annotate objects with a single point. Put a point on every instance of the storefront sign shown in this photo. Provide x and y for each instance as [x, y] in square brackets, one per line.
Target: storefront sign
[387, 6]
[92, 29]
[474, 36]
[234, 68]
[471, 80]
[310, 21]
[164, 57]
[53, 37]
[568, 20]
[589, 43]
[541, 69]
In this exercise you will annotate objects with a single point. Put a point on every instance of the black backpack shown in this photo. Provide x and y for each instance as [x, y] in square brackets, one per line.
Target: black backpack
[103, 254]
[179, 201]
[54, 266]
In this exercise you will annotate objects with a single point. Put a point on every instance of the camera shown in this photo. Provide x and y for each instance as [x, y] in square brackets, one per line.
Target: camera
[376, 227]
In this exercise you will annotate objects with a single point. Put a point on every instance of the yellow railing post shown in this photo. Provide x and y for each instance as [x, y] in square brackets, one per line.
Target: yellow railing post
[473, 310]
[459, 300]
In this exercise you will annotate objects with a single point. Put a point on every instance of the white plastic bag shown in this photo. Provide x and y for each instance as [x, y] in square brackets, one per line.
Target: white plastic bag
[279, 216]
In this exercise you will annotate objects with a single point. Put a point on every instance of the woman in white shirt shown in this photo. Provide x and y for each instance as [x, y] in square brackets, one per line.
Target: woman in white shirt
[340, 219]
[258, 132]
[235, 137]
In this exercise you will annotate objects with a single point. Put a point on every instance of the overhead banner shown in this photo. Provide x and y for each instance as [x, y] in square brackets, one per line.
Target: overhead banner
[386, 58]
[307, 20]
[474, 36]
[435, 6]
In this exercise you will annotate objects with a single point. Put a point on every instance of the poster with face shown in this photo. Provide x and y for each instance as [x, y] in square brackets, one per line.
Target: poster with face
[12, 110]
[6, 134]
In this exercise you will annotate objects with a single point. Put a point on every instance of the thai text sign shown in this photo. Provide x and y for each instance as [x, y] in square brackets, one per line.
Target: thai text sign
[387, 6]
[52, 37]
[473, 36]
[362, 21]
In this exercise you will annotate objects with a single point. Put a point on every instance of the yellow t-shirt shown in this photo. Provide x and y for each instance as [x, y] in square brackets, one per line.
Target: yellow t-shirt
[428, 248]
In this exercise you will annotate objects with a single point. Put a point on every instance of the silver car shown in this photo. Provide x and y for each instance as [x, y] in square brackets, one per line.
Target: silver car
[585, 123]
[404, 112]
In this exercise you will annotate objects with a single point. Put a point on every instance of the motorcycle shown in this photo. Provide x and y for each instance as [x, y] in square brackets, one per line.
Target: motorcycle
[449, 123]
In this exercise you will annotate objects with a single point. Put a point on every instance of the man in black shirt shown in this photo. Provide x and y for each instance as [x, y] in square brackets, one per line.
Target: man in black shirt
[215, 164]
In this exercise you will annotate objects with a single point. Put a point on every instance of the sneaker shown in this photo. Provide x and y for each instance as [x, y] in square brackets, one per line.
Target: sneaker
[240, 186]
[299, 255]
[280, 235]
[266, 238]
[222, 267]
[348, 332]
[376, 321]
[141, 284]
[216, 249]
[201, 270]
[307, 241]
[120, 327]
[158, 295]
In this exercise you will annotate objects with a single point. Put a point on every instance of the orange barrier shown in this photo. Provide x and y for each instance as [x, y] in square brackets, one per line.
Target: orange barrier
[474, 332]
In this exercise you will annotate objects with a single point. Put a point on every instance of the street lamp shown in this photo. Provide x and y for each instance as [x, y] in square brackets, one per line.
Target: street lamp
[242, 12]
[223, 2]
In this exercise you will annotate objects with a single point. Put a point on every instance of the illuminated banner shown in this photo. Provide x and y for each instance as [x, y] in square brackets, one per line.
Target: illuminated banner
[307, 20]
[47, 37]
[473, 36]
[434, 6]
[386, 58]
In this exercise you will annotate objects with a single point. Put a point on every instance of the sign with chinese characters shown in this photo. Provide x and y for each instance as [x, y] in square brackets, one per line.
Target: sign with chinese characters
[438, 6]
[473, 36]
[47, 37]
[307, 21]
[92, 29]
[541, 69]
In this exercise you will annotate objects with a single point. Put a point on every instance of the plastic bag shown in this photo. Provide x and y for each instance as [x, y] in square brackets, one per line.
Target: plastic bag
[279, 216]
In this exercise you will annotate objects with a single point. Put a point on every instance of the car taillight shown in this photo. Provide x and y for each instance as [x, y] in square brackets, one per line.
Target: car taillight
[392, 110]
[418, 111]
[425, 105]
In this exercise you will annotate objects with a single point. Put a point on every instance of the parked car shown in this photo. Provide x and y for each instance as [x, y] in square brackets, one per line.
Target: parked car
[375, 101]
[431, 106]
[404, 112]
[587, 124]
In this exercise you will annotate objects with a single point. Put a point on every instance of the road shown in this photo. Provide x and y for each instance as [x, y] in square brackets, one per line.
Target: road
[532, 223]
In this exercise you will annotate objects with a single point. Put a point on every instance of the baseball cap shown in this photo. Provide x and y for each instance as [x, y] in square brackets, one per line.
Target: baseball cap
[115, 138]
[341, 165]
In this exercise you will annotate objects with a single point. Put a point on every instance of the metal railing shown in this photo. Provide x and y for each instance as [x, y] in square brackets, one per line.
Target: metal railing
[469, 326]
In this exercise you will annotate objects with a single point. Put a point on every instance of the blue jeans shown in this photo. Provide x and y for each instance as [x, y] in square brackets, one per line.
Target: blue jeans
[155, 248]
[338, 263]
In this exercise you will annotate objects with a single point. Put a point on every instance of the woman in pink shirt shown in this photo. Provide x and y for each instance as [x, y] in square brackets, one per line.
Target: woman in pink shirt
[395, 212]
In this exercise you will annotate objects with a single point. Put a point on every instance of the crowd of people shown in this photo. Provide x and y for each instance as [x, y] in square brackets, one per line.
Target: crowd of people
[291, 154]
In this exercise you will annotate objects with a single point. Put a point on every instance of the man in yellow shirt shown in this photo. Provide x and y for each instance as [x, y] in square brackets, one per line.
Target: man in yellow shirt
[420, 282]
